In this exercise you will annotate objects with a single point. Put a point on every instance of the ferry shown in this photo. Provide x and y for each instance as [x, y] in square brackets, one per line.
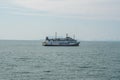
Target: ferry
[67, 41]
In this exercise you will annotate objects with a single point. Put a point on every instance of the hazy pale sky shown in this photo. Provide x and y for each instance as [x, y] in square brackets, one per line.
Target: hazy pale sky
[36, 19]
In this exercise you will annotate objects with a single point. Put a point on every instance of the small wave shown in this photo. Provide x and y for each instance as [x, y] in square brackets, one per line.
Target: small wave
[22, 59]
[85, 66]
[115, 77]
[47, 71]
[24, 72]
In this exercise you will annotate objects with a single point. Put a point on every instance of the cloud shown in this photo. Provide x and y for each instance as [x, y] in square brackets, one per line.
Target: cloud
[87, 8]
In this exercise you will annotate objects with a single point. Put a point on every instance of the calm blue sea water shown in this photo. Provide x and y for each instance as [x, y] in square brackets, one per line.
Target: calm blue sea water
[28, 60]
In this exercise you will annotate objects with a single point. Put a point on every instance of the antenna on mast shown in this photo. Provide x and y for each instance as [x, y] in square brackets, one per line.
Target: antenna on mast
[73, 36]
[55, 35]
[66, 34]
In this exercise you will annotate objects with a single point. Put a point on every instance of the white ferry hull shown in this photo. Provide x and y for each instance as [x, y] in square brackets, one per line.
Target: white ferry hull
[59, 44]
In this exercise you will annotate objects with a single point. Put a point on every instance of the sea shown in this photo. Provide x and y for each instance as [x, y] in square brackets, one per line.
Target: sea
[29, 60]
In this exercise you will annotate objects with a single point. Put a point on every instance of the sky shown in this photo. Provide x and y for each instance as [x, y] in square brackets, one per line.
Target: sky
[89, 20]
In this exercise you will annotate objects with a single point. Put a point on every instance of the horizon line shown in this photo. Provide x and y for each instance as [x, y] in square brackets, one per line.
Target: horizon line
[44, 39]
